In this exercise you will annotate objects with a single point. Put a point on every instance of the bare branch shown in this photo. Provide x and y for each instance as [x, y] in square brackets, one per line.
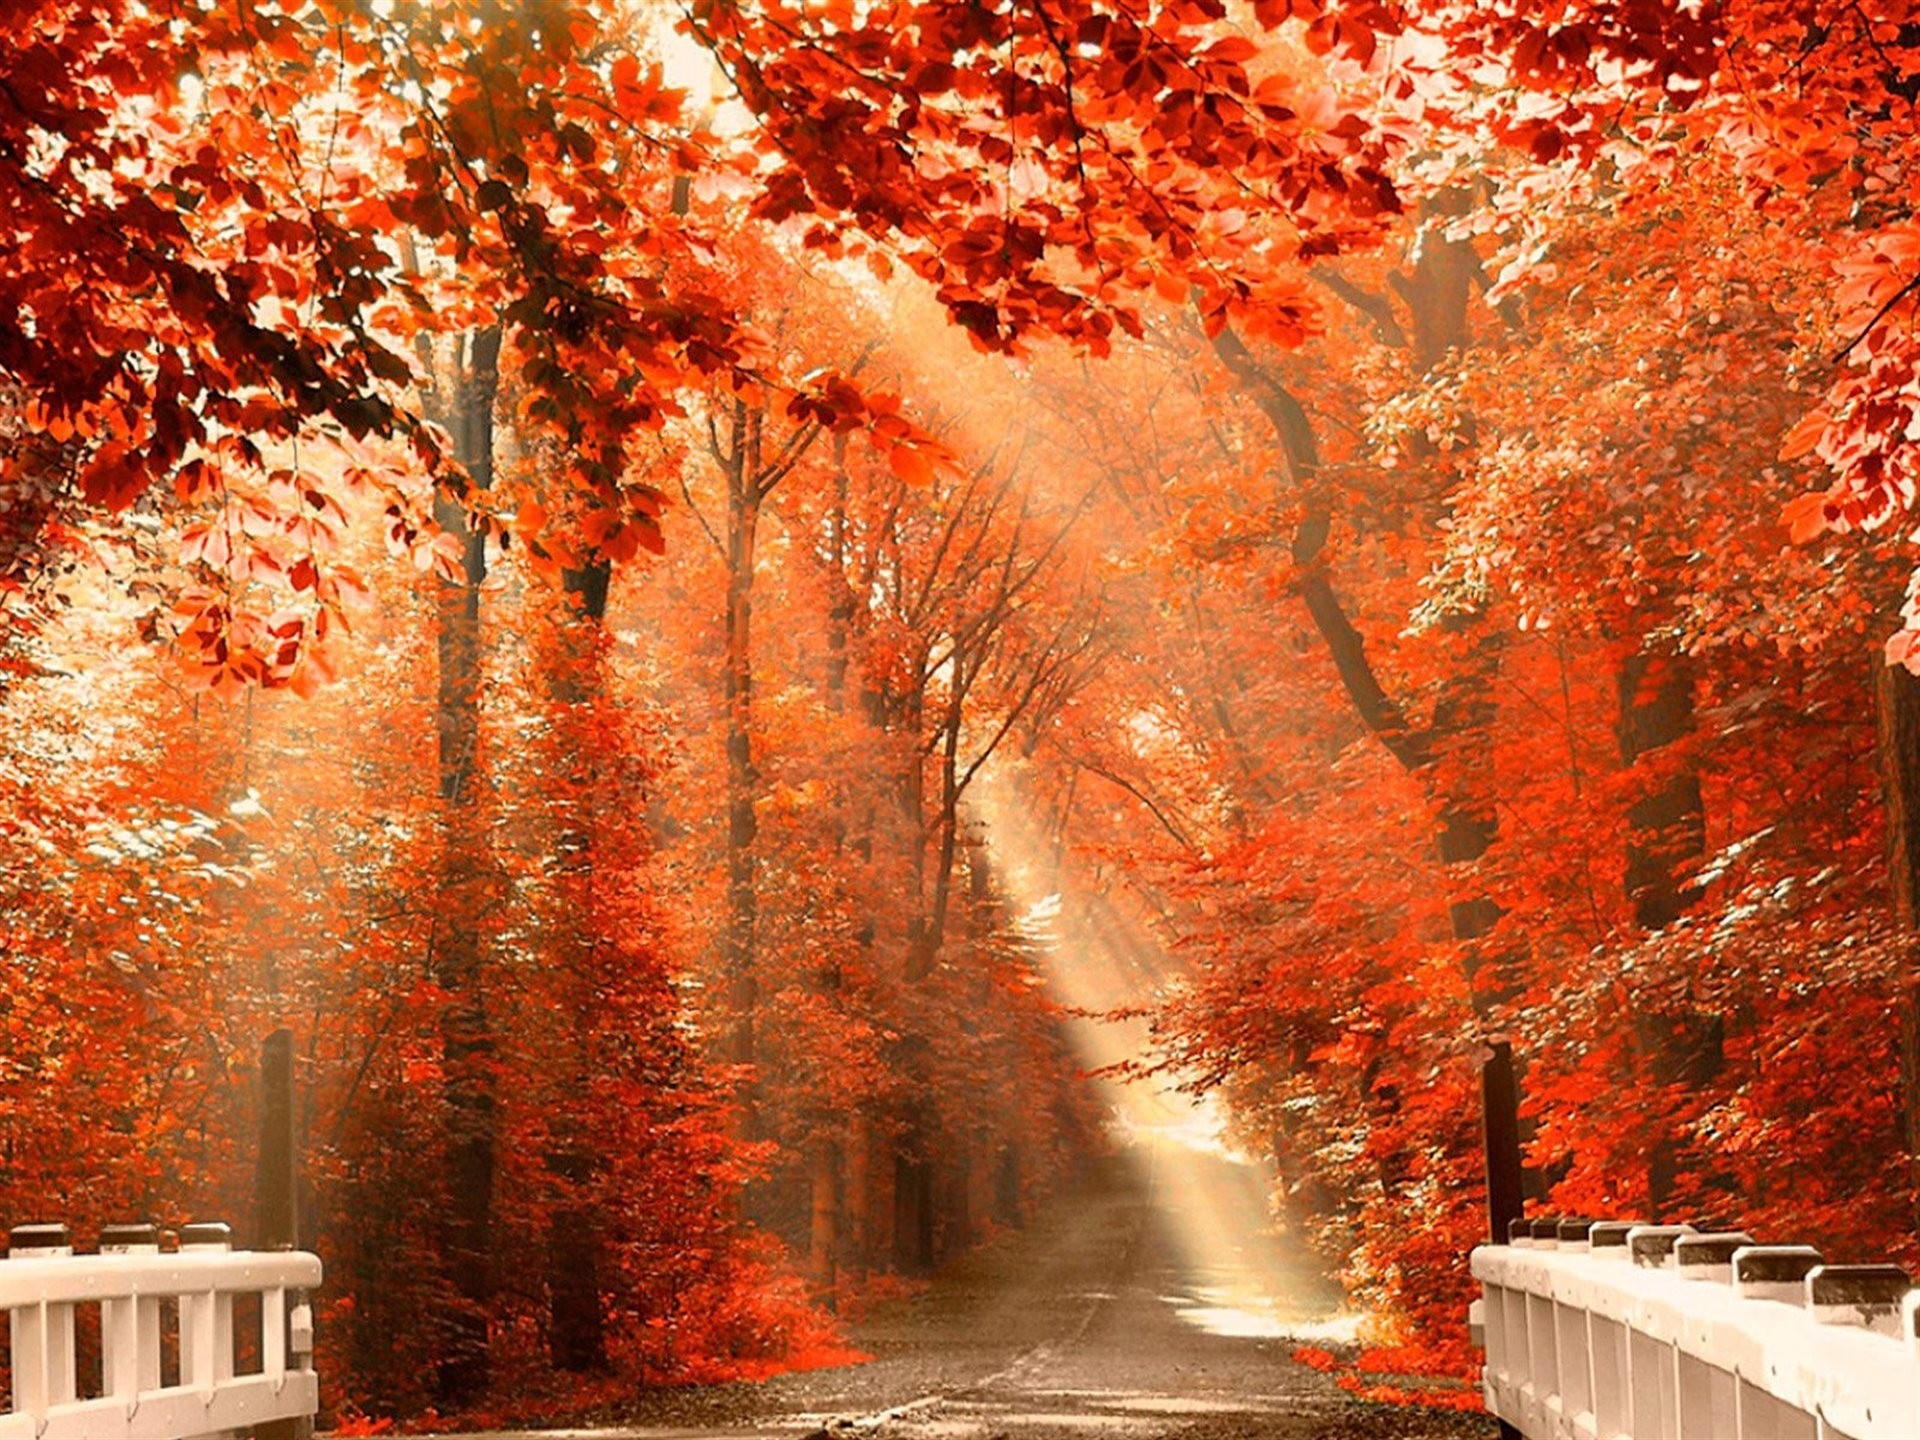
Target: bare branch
[1376, 307]
[1382, 714]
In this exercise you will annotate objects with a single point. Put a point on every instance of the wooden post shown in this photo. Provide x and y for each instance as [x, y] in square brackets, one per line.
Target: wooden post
[276, 1215]
[1500, 1106]
[1500, 1101]
[276, 1223]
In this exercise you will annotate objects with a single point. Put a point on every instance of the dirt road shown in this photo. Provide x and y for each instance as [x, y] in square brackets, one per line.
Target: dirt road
[1121, 1314]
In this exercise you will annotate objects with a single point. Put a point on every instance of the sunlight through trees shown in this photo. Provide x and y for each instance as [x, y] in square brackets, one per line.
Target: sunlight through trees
[767, 625]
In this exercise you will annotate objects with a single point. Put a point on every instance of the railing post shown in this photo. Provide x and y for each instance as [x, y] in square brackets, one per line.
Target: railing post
[276, 1218]
[1500, 1105]
[1506, 1203]
[277, 1223]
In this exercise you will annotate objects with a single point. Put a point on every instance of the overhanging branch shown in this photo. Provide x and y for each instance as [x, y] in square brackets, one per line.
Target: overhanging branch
[1381, 713]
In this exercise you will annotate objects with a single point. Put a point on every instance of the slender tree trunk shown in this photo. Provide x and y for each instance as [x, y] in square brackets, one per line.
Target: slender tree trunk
[911, 792]
[1436, 293]
[823, 1235]
[912, 1220]
[840, 606]
[577, 1325]
[1007, 1183]
[880, 1168]
[1897, 701]
[1666, 832]
[466, 1031]
[827, 1245]
[1441, 285]
[933, 928]
[576, 1329]
[743, 780]
[913, 1252]
[1468, 826]
[974, 1197]
[1666, 827]
[1461, 730]
[852, 1261]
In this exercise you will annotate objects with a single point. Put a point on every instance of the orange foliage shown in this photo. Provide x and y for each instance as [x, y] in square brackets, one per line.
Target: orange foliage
[1426, 622]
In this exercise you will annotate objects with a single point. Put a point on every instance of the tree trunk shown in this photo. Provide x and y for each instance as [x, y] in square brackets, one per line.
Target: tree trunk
[1468, 826]
[1437, 295]
[1666, 832]
[932, 933]
[577, 1326]
[1897, 701]
[860, 1246]
[854, 1247]
[1442, 282]
[840, 607]
[911, 1222]
[981, 1175]
[1666, 827]
[1006, 1184]
[828, 1247]
[466, 1032]
[911, 793]
[743, 900]
[576, 1319]
[913, 1209]
[823, 1243]
[880, 1210]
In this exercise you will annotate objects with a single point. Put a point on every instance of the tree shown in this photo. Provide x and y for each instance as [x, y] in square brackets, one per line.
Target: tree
[468, 878]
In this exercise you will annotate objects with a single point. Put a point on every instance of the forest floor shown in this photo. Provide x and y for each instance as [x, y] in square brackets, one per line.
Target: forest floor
[1112, 1317]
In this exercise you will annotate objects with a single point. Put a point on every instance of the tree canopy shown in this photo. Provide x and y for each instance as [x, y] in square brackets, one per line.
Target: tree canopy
[809, 547]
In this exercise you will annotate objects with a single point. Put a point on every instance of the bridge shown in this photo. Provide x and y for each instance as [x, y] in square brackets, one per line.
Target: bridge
[1610, 1330]
[137, 1342]
[1626, 1330]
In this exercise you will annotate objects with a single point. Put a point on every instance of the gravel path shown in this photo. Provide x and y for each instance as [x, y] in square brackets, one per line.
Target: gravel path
[1108, 1320]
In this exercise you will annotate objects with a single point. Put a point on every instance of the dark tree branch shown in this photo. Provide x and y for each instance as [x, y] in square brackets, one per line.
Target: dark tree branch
[1377, 308]
[1885, 310]
[1154, 809]
[1381, 713]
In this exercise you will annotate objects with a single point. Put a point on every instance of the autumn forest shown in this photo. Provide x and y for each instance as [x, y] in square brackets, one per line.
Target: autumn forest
[745, 615]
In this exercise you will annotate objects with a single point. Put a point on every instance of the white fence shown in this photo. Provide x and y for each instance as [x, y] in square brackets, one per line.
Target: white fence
[165, 1331]
[1614, 1331]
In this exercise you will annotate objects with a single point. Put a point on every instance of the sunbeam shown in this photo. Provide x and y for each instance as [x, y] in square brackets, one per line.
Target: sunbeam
[1240, 1277]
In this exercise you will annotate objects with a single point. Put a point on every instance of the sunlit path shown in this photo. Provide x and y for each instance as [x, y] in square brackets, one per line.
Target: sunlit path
[1094, 1322]
[1155, 1298]
[1239, 1280]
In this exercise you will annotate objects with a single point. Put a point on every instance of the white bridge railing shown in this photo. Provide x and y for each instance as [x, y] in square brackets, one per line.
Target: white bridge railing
[1613, 1331]
[164, 1333]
